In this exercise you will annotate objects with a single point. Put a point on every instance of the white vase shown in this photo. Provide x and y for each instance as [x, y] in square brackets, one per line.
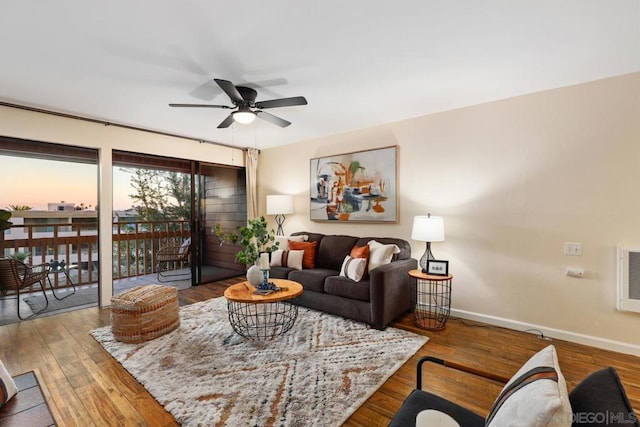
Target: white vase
[254, 275]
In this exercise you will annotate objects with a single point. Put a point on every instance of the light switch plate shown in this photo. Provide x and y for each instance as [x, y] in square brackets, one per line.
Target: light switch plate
[573, 248]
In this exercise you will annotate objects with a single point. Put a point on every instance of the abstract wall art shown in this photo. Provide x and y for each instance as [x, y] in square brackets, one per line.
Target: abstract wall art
[355, 187]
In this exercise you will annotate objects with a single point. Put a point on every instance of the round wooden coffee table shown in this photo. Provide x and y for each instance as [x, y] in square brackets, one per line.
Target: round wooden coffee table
[262, 317]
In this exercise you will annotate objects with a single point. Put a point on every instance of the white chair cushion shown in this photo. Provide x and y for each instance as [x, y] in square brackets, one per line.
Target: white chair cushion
[535, 396]
[433, 418]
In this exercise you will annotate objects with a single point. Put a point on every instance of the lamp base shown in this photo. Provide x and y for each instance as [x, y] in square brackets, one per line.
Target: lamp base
[428, 255]
[279, 220]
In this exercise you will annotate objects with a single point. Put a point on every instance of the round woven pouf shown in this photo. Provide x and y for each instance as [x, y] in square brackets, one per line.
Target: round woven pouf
[144, 313]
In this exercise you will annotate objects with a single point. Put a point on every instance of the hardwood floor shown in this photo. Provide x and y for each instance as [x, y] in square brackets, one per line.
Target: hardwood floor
[89, 388]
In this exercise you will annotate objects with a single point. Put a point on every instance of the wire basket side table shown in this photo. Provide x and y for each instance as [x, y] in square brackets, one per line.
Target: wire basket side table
[262, 317]
[430, 300]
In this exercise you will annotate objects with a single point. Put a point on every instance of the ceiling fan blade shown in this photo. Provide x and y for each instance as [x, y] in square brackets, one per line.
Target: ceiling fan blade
[282, 102]
[273, 119]
[200, 106]
[230, 90]
[226, 122]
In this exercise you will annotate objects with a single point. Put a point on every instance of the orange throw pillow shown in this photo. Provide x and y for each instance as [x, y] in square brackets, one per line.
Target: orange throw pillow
[309, 248]
[361, 252]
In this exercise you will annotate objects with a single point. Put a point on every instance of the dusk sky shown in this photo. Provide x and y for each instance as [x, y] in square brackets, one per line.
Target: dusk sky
[36, 182]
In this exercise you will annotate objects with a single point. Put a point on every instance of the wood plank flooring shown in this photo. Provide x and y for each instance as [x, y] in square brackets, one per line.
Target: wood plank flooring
[89, 388]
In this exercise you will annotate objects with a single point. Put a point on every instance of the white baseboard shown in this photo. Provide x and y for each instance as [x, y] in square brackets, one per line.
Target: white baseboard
[598, 342]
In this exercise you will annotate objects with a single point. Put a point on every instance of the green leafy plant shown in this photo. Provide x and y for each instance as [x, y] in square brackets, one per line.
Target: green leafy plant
[20, 256]
[254, 238]
[5, 224]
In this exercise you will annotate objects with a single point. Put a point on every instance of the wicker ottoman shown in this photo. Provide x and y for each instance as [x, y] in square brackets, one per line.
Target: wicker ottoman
[144, 313]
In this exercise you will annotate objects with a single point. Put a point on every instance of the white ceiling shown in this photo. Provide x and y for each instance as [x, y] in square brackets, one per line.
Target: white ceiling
[359, 63]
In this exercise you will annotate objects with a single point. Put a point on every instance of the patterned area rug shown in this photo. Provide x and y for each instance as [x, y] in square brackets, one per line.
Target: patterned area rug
[316, 374]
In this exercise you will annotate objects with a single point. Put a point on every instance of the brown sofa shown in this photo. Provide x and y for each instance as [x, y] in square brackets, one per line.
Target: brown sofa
[377, 300]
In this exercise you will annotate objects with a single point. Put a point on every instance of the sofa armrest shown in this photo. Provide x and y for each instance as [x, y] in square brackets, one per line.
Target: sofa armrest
[389, 291]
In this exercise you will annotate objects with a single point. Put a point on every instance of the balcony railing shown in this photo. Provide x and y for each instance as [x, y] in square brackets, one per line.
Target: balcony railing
[134, 247]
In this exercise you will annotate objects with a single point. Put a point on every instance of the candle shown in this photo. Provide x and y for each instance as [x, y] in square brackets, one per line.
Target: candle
[264, 261]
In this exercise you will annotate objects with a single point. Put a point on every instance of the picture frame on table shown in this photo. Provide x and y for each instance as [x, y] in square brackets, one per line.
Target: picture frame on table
[437, 267]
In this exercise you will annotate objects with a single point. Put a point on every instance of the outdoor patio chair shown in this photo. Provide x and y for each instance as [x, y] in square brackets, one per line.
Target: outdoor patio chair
[16, 276]
[170, 262]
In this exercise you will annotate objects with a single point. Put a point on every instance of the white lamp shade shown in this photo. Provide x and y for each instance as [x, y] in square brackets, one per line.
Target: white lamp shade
[279, 204]
[428, 228]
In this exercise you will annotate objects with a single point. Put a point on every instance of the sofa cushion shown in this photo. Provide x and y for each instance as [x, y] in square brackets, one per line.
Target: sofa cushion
[362, 252]
[380, 254]
[345, 287]
[283, 241]
[280, 272]
[309, 248]
[353, 268]
[405, 247]
[312, 279]
[333, 249]
[291, 259]
[535, 395]
[311, 237]
[599, 394]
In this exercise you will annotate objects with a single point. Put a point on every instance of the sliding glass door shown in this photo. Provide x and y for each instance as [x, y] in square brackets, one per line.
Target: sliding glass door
[222, 199]
[160, 202]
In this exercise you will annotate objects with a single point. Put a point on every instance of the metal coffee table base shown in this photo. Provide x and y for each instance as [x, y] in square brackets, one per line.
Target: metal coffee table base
[262, 321]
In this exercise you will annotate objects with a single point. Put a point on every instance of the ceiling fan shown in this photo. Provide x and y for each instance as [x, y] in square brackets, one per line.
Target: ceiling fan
[244, 99]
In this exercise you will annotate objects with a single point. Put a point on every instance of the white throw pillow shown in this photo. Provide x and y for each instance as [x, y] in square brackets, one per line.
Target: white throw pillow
[284, 241]
[433, 418]
[291, 259]
[8, 387]
[184, 246]
[380, 254]
[353, 268]
[535, 396]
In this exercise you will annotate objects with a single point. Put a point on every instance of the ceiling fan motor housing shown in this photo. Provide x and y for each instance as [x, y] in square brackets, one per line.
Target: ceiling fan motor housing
[248, 94]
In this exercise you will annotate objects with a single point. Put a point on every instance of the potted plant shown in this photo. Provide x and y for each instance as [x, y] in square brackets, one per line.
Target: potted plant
[253, 239]
[5, 224]
[20, 256]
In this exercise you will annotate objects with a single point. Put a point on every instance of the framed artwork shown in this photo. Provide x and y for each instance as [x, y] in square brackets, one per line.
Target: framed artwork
[355, 187]
[437, 267]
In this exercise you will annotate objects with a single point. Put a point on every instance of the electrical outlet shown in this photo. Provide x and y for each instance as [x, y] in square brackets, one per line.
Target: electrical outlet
[572, 248]
[575, 272]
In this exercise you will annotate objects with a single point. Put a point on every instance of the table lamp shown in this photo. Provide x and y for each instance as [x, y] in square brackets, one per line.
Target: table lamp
[427, 229]
[279, 205]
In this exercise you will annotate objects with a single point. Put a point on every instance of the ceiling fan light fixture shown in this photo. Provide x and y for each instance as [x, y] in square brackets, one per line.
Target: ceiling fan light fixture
[244, 116]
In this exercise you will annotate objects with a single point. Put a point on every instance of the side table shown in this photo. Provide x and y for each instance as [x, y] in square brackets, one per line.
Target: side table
[430, 299]
[57, 268]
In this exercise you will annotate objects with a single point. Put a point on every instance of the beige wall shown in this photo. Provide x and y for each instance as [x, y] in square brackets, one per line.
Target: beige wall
[514, 180]
[48, 128]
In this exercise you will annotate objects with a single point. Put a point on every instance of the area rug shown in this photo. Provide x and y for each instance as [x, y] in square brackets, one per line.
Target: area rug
[316, 374]
[83, 296]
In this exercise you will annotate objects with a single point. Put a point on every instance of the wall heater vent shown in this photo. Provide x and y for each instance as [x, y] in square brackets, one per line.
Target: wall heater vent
[628, 279]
